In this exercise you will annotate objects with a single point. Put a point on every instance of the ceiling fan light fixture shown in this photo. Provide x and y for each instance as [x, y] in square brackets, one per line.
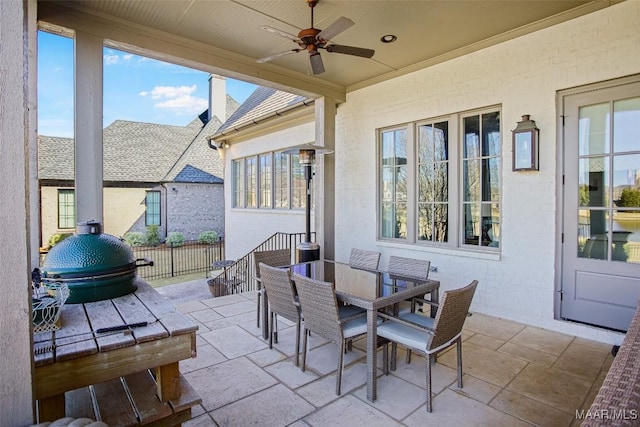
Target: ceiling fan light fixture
[388, 38]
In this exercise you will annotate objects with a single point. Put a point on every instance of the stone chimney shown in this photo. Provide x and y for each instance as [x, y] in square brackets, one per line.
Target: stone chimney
[217, 97]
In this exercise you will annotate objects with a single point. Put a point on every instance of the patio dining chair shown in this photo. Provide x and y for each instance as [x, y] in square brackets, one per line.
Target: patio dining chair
[363, 259]
[282, 300]
[409, 267]
[445, 330]
[275, 258]
[322, 316]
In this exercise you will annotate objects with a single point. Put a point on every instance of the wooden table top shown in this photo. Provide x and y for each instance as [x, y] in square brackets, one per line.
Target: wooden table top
[78, 336]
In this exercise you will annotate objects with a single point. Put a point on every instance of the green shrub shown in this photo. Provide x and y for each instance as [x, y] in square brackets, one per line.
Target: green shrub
[134, 238]
[153, 235]
[208, 237]
[58, 237]
[175, 239]
[630, 198]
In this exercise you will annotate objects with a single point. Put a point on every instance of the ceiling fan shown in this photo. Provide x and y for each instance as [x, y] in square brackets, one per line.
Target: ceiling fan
[312, 39]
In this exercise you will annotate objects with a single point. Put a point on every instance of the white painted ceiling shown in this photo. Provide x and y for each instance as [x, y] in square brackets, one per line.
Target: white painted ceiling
[428, 31]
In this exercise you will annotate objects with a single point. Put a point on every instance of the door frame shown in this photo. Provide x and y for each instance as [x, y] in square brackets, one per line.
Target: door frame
[560, 172]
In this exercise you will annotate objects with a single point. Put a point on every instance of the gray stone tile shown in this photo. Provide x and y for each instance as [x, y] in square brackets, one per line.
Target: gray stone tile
[528, 354]
[395, 397]
[234, 341]
[324, 359]
[349, 411]
[206, 356]
[530, 410]
[543, 340]
[227, 382]
[476, 389]
[237, 308]
[455, 410]
[225, 300]
[203, 420]
[276, 406]
[552, 387]
[291, 375]
[486, 341]
[488, 365]
[323, 390]
[266, 357]
[415, 372]
[191, 306]
[206, 315]
[492, 326]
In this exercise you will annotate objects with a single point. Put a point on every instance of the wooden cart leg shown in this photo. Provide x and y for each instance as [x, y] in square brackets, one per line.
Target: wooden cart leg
[51, 408]
[168, 380]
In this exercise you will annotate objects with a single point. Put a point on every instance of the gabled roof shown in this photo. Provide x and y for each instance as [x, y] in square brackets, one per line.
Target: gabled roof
[262, 102]
[142, 152]
[195, 175]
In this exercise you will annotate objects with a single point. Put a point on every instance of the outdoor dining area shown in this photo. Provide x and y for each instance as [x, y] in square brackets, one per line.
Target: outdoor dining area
[331, 343]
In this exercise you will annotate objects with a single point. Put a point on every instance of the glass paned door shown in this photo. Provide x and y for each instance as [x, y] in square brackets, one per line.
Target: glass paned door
[601, 205]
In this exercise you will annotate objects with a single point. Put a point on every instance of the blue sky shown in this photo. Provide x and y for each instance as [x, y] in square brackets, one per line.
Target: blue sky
[135, 88]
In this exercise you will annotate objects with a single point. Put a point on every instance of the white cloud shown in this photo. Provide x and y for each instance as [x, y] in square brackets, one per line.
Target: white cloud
[184, 104]
[177, 98]
[111, 59]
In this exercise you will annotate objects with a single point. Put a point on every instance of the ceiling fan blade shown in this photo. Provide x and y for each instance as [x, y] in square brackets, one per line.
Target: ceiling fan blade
[277, 55]
[316, 63]
[350, 50]
[336, 28]
[280, 33]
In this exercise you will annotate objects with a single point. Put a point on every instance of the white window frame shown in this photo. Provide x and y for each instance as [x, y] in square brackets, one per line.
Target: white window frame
[455, 232]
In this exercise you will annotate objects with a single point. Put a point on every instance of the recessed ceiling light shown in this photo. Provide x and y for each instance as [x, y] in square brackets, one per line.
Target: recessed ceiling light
[389, 38]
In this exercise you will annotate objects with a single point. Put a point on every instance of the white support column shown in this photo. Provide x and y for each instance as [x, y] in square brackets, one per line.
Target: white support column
[325, 120]
[17, 69]
[88, 127]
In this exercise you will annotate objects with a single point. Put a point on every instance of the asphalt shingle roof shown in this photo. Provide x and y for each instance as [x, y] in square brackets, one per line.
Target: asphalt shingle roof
[140, 152]
[195, 175]
[262, 102]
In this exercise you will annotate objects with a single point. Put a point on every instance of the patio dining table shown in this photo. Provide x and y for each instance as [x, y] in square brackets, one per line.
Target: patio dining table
[371, 290]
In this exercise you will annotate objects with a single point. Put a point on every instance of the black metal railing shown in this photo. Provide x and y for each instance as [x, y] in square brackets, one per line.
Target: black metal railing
[170, 260]
[238, 277]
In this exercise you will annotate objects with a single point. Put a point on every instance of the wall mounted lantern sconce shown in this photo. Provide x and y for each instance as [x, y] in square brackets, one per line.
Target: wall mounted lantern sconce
[525, 145]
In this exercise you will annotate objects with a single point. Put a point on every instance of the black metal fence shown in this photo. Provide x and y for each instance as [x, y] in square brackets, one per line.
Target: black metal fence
[170, 261]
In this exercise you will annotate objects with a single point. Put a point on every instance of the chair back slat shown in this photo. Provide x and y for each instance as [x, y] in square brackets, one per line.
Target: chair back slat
[280, 291]
[275, 258]
[363, 259]
[409, 267]
[452, 312]
[319, 307]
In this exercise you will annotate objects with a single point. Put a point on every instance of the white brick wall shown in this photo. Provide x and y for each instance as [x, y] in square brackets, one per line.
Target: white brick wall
[522, 76]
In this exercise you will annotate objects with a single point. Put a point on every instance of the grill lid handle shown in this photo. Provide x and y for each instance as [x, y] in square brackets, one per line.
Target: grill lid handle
[89, 227]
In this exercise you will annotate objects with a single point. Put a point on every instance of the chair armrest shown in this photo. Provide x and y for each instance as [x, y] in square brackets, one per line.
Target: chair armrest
[405, 322]
[353, 316]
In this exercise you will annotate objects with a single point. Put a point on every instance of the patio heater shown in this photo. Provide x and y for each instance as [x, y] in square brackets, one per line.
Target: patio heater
[307, 250]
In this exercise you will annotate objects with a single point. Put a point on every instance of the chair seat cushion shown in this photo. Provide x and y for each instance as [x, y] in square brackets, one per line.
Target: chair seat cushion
[405, 335]
[349, 310]
[419, 319]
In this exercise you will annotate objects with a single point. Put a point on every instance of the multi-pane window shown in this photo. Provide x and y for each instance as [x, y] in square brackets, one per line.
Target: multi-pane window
[281, 180]
[238, 183]
[267, 181]
[440, 181]
[481, 179]
[433, 181]
[298, 184]
[66, 208]
[152, 201]
[393, 215]
[251, 169]
[264, 175]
